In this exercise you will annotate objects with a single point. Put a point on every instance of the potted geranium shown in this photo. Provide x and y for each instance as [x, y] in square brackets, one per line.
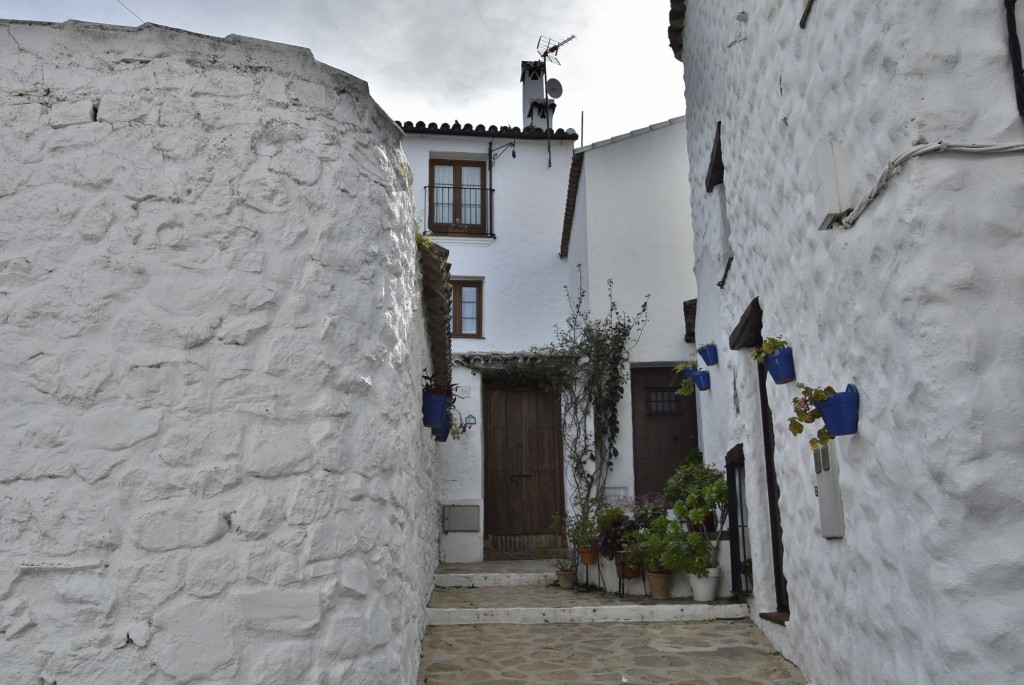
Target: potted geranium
[838, 410]
[662, 549]
[777, 357]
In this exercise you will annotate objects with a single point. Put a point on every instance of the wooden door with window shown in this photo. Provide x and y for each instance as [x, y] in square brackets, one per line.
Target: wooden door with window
[522, 470]
[664, 427]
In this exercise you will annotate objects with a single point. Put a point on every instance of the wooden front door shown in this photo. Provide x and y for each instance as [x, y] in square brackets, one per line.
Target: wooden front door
[664, 427]
[522, 470]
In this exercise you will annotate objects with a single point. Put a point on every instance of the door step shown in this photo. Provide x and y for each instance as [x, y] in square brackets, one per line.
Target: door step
[543, 603]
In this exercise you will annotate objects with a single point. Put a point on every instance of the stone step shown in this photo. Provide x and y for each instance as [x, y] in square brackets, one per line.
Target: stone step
[447, 580]
[545, 604]
[496, 573]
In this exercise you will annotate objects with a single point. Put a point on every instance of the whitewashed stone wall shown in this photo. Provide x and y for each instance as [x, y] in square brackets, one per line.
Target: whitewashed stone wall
[918, 304]
[212, 467]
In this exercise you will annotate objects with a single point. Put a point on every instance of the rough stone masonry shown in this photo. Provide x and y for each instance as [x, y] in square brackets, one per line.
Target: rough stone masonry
[211, 463]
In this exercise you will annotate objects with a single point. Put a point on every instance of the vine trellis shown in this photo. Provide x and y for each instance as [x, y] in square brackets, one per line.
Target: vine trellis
[587, 366]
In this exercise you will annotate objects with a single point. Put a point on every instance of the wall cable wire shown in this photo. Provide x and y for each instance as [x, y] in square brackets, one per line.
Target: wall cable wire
[1015, 57]
[894, 165]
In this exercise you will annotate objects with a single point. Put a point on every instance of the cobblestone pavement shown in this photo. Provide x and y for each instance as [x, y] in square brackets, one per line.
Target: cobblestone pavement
[693, 653]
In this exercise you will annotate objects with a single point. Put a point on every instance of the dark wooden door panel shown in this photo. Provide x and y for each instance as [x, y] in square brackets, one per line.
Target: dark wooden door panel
[664, 427]
[522, 465]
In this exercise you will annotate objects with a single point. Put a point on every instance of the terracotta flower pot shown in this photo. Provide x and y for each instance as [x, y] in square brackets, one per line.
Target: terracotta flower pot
[588, 555]
[623, 571]
[661, 584]
[565, 579]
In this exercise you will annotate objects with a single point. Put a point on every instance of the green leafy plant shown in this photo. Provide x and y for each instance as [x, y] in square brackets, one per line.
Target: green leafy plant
[767, 347]
[646, 508]
[612, 524]
[804, 412]
[581, 526]
[661, 547]
[701, 499]
[454, 425]
[692, 483]
[565, 557]
[686, 387]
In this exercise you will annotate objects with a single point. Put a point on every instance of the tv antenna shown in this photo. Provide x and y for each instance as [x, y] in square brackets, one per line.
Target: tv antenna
[547, 48]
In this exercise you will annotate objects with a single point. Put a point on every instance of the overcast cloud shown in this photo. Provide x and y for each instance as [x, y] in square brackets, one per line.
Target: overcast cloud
[442, 60]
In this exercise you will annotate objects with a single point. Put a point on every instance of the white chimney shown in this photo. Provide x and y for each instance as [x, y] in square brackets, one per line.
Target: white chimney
[534, 110]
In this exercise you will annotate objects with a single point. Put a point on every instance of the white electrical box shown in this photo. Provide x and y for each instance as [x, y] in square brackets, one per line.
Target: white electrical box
[830, 179]
[830, 500]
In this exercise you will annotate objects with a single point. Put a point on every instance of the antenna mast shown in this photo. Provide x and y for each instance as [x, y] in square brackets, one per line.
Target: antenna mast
[547, 48]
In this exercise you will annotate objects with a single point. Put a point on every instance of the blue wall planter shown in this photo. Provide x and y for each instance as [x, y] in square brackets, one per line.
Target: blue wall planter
[702, 379]
[839, 412]
[441, 432]
[688, 372]
[709, 353]
[434, 406]
[780, 365]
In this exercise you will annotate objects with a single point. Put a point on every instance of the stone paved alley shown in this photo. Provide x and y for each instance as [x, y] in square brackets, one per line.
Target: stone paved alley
[529, 648]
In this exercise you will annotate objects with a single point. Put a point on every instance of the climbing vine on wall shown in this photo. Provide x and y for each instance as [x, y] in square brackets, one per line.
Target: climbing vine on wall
[587, 366]
[590, 397]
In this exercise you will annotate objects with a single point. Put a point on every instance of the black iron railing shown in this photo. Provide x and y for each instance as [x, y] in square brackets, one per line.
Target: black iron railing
[453, 210]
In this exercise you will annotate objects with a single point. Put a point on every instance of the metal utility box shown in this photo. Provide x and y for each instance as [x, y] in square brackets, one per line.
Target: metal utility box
[460, 518]
[830, 500]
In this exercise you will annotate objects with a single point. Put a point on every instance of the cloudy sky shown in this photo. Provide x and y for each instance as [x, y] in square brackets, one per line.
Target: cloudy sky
[442, 60]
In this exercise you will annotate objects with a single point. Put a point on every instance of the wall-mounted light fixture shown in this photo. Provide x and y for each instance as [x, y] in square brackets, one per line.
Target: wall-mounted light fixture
[496, 152]
[468, 423]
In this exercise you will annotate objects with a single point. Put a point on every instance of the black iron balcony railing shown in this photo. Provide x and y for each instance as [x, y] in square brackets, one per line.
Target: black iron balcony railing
[463, 211]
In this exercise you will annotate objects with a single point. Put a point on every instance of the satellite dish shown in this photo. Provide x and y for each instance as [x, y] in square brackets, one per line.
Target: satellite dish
[554, 89]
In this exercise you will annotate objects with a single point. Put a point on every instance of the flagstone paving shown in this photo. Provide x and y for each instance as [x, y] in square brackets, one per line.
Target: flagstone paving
[632, 650]
[692, 653]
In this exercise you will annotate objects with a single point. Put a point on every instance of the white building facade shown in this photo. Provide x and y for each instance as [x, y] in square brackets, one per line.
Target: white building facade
[517, 226]
[489, 196]
[900, 562]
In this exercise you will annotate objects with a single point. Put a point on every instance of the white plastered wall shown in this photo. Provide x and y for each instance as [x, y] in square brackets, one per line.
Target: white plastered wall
[918, 304]
[633, 226]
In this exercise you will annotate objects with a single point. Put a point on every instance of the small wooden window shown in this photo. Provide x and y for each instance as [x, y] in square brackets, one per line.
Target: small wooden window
[467, 308]
[663, 402]
[457, 197]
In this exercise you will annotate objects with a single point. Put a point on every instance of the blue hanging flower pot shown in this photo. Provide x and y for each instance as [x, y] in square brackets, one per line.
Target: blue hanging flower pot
[709, 353]
[840, 411]
[434, 406]
[780, 365]
[688, 372]
[441, 432]
[702, 379]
